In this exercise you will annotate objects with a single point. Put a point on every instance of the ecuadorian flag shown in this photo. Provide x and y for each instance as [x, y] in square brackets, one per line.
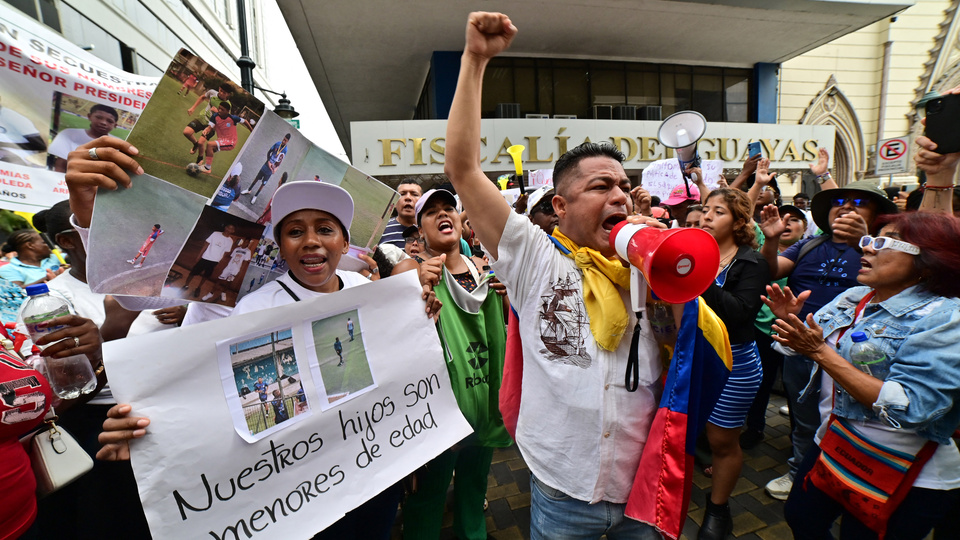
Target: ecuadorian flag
[701, 364]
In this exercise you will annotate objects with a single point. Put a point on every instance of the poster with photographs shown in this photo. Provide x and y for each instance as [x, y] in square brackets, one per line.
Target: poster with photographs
[338, 359]
[214, 260]
[140, 232]
[190, 134]
[261, 382]
[213, 159]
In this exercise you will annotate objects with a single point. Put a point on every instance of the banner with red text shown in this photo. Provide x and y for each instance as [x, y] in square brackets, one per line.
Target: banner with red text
[54, 96]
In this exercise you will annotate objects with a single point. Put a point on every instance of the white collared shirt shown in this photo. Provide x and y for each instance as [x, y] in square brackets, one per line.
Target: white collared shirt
[579, 429]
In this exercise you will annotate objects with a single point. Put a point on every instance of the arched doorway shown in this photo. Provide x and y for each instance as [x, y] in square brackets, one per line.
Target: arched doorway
[832, 108]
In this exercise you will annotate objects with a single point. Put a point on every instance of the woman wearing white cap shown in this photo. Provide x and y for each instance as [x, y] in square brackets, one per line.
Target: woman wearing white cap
[311, 222]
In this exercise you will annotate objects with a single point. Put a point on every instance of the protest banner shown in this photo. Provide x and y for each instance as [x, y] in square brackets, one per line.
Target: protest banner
[30, 189]
[54, 96]
[199, 478]
[212, 158]
[660, 177]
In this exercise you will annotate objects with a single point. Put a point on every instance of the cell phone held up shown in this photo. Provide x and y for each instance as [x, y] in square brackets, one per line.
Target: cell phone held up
[943, 123]
[753, 149]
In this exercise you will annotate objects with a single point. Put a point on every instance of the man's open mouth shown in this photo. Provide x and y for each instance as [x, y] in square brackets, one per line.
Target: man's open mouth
[611, 222]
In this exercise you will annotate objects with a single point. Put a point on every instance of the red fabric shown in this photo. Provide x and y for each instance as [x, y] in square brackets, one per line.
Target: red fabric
[18, 502]
[26, 398]
[511, 384]
[662, 484]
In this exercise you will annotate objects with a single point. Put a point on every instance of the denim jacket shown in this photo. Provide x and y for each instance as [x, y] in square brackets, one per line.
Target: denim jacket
[919, 333]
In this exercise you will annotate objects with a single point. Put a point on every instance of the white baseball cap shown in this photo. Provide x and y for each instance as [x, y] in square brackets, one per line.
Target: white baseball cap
[310, 195]
[422, 201]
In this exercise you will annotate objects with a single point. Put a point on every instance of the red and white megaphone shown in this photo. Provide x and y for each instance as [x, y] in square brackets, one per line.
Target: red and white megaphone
[679, 264]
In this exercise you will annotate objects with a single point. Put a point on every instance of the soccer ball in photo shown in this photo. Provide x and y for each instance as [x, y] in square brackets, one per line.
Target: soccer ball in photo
[193, 169]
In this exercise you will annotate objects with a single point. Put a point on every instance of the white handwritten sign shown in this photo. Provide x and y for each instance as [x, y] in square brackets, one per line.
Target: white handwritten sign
[541, 177]
[199, 479]
[660, 177]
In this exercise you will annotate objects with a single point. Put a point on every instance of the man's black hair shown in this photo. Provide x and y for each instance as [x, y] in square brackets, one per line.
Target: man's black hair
[157, 225]
[226, 87]
[103, 108]
[654, 201]
[287, 136]
[571, 159]
[409, 181]
[802, 195]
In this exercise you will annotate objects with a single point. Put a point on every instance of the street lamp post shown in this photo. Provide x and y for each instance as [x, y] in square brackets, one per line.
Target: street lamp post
[246, 64]
[283, 109]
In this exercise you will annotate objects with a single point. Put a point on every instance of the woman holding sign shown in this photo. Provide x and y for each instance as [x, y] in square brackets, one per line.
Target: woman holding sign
[311, 222]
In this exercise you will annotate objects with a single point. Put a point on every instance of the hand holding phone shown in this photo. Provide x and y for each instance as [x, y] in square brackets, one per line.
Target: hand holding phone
[943, 123]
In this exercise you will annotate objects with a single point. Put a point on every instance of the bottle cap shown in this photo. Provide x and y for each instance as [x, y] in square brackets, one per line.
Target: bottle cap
[857, 337]
[39, 288]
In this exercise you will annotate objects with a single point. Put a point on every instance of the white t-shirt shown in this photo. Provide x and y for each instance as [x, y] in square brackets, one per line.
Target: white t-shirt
[237, 258]
[198, 312]
[273, 295]
[579, 429]
[67, 141]
[219, 245]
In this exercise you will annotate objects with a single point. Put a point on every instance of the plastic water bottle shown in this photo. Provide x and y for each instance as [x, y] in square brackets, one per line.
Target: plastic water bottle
[69, 377]
[868, 357]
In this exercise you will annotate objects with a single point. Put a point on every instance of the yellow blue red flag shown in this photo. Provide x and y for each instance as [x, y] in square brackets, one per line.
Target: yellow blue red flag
[701, 363]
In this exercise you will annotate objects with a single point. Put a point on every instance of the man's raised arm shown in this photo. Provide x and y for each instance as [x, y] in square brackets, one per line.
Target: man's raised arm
[488, 34]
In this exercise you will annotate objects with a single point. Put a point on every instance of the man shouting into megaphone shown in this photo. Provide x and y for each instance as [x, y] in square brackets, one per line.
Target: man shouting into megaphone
[580, 429]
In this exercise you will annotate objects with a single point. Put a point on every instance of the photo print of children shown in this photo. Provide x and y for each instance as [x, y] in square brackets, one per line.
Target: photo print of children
[130, 253]
[77, 121]
[214, 259]
[263, 389]
[188, 127]
[338, 356]
[270, 158]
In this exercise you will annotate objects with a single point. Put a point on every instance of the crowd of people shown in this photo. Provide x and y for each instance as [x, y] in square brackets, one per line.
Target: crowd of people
[799, 288]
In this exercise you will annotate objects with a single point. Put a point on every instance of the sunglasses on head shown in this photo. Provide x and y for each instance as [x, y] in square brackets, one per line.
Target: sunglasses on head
[885, 242]
[856, 201]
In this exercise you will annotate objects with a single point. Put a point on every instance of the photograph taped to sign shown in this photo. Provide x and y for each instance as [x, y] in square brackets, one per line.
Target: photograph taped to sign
[893, 155]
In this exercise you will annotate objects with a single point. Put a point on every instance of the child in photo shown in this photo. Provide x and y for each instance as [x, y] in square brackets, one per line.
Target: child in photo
[145, 248]
[229, 191]
[275, 157]
[212, 98]
[224, 126]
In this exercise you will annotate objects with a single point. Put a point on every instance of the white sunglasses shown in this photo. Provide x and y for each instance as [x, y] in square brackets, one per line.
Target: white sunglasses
[885, 242]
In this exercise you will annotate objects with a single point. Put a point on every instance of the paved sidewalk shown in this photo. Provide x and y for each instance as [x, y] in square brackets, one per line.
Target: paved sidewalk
[756, 516]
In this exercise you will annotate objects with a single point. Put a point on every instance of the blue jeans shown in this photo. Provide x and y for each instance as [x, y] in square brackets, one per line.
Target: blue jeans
[804, 415]
[811, 512]
[554, 515]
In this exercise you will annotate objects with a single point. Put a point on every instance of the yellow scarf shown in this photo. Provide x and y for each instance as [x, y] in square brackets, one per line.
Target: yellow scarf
[608, 315]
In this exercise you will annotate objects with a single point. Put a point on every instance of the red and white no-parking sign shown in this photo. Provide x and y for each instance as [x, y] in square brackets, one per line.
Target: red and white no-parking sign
[893, 155]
